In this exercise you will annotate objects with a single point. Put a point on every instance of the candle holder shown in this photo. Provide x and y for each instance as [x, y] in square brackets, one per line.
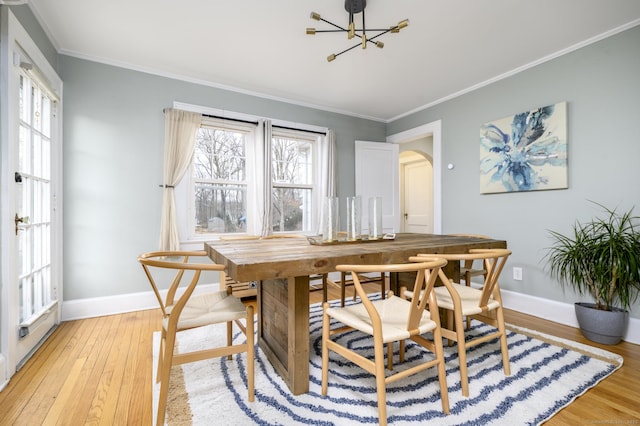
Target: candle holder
[375, 218]
[330, 219]
[354, 218]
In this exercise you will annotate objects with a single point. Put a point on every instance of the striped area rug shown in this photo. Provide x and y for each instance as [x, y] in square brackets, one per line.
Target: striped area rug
[547, 374]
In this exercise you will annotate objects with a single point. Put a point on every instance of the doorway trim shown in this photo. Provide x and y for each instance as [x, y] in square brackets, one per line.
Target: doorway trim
[433, 129]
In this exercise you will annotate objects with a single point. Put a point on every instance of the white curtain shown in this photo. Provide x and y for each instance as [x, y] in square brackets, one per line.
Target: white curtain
[267, 174]
[327, 172]
[180, 128]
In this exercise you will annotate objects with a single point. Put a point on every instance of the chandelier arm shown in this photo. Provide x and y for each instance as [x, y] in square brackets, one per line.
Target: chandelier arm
[346, 50]
[378, 35]
[377, 29]
[382, 32]
[331, 31]
[332, 24]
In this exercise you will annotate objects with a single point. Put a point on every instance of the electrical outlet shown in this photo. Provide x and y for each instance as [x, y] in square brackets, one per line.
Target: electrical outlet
[517, 274]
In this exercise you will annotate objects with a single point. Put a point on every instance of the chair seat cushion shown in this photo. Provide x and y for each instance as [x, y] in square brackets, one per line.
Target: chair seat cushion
[393, 312]
[469, 296]
[209, 308]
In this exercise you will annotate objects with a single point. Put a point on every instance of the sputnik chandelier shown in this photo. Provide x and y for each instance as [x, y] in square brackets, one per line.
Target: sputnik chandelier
[353, 7]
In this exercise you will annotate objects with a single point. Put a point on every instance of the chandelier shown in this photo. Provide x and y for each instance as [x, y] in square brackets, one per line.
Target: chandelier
[353, 7]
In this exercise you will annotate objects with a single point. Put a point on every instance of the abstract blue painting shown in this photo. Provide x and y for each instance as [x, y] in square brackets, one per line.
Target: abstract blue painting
[525, 152]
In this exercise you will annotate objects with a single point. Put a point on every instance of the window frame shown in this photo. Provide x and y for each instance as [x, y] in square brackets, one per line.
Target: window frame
[313, 140]
[185, 194]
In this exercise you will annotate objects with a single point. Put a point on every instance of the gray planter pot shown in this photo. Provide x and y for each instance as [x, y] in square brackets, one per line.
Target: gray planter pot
[607, 327]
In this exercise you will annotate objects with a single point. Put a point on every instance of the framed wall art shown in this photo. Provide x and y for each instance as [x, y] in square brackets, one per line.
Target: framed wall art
[525, 152]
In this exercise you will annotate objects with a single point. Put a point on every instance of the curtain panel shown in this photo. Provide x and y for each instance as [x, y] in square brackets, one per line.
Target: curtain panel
[267, 175]
[327, 173]
[180, 129]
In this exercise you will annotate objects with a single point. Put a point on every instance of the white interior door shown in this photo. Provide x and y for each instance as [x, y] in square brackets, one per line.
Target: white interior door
[417, 197]
[377, 174]
[433, 129]
[31, 187]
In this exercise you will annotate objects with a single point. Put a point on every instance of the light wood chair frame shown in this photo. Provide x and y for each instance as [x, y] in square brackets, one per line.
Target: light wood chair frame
[494, 261]
[426, 274]
[346, 280]
[467, 271]
[176, 299]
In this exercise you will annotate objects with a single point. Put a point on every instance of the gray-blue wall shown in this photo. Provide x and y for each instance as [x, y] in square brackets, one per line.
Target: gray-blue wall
[113, 154]
[601, 84]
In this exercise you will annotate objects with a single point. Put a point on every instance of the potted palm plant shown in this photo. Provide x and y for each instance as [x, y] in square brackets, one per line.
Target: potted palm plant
[602, 258]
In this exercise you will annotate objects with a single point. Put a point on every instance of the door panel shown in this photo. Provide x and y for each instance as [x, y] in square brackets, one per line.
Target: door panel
[377, 174]
[37, 299]
[418, 197]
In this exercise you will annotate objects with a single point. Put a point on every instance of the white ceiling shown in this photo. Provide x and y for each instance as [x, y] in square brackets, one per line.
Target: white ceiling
[260, 46]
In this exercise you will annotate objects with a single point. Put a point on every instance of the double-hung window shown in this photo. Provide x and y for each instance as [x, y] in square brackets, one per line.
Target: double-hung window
[220, 182]
[293, 177]
[226, 190]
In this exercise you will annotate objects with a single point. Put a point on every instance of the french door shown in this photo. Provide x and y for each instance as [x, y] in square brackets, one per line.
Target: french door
[31, 187]
[37, 289]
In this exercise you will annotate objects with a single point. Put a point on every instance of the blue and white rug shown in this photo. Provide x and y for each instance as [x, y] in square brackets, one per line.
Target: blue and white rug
[547, 374]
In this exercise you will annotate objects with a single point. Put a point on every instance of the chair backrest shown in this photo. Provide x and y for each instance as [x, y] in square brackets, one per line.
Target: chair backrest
[426, 275]
[178, 261]
[468, 264]
[494, 261]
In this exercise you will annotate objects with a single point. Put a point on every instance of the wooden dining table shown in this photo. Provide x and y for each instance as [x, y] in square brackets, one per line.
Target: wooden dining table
[282, 267]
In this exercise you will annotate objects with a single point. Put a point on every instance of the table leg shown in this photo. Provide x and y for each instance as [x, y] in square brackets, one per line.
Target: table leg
[283, 328]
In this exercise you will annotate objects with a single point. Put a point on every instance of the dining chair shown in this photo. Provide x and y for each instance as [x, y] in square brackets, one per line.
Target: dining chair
[317, 282]
[182, 309]
[346, 280]
[467, 269]
[386, 321]
[460, 301]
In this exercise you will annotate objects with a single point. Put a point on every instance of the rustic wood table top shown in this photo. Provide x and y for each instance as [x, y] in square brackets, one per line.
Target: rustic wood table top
[247, 260]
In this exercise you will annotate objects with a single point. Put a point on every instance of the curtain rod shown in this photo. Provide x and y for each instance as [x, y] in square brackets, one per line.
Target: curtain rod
[256, 123]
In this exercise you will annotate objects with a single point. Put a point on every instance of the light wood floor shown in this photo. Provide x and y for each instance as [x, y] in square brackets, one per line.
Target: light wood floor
[98, 371]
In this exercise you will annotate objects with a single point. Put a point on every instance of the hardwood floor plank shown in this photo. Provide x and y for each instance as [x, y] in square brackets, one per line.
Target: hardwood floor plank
[127, 394]
[115, 369]
[65, 397]
[103, 334]
[18, 393]
[64, 359]
[104, 375]
[44, 383]
[140, 408]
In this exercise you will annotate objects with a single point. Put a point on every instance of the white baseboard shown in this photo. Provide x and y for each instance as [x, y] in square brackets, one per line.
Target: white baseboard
[111, 305]
[559, 312]
[551, 310]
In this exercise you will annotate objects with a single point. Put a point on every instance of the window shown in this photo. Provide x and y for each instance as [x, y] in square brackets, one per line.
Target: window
[219, 173]
[225, 190]
[292, 185]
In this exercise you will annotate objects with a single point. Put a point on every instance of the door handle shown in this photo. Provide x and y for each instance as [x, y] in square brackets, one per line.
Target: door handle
[406, 216]
[18, 220]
